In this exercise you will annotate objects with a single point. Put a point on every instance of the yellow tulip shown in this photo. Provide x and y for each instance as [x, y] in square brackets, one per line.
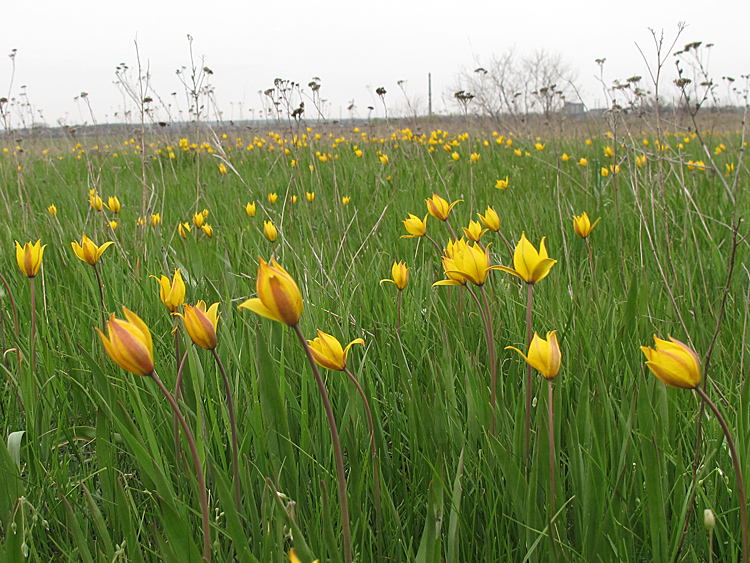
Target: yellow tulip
[675, 363]
[198, 219]
[279, 298]
[87, 251]
[310, 196]
[222, 168]
[400, 274]
[129, 343]
[250, 209]
[584, 162]
[155, 219]
[113, 225]
[172, 294]
[345, 200]
[272, 198]
[490, 219]
[475, 231]
[608, 152]
[528, 264]
[475, 157]
[439, 208]
[201, 324]
[466, 263]
[270, 230]
[96, 202]
[565, 157]
[539, 146]
[327, 352]
[605, 172]
[113, 204]
[208, 230]
[544, 355]
[502, 184]
[52, 210]
[29, 258]
[582, 225]
[417, 227]
[294, 559]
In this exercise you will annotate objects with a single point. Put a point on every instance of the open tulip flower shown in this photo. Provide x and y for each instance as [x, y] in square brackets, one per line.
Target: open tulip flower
[415, 226]
[129, 343]
[184, 229]
[279, 298]
[475, 231]
[528, 264]
[327, 351]
[29, 257]
[544, 355]
[272, 198]
[113, 204]
[201, 324]
[172, 294]
[87, 251]
[400, 274]
[464, 263]
[675, 363]
[582, 225]
[490, 219]
[439, 208]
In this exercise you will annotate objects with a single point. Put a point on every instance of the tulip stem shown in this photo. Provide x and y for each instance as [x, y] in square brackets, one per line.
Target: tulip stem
[233, 424]
[737, 472]
[336, 449]
[177, 390]
[551, 466]
[398, 313]
[375, 470]
[196, 463]
[101, 297]
[489, 335]
[437, 246]
[33, 334]
[527, 418]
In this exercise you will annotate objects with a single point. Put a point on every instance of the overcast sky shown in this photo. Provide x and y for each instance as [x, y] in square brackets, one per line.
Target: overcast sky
[65, 48]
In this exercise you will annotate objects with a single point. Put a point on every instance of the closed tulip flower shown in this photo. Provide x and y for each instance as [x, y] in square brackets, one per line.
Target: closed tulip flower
[29, 257]
[113, 204]
[96, 202]
[475, 231]
[172, 294]
[272, 198]
[201, 324]
[250, 209]
[113, 225]
[400, 274]
[439, 208]
[155, 219]
[327, 351]
[675, 363]
[468, 263]
[310, 196]
[415, 226]
[345, 200]
[583, 226]
[528, 264]
[208, 230]
[491, 219]
[87, 251]
[270, 230]
[129, 343]
[198, 220]
[544, 355]
[52, 210]
[279, 298]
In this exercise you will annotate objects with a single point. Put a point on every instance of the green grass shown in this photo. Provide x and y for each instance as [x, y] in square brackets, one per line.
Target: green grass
[95, 477]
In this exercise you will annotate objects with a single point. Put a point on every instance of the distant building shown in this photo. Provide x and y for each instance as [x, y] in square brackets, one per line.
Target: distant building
[574, 109]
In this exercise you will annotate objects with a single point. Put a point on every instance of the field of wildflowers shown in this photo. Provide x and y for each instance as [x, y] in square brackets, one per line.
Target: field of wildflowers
[375, 343]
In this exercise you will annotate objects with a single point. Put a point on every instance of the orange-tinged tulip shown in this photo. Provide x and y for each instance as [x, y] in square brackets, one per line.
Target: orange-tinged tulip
[279, 298]
[475, 231]
[29, 257]
[675, 363]
[201, 324]
[528, 264]
[417, 227]
[250, 209]
[270, 230]
[400, 274]
[87, 251]
[327, 351]
[544, 355]
[129, 343]
[491, 219]
[172, 294]
[439, 208]
[113, 204]
[583, 226]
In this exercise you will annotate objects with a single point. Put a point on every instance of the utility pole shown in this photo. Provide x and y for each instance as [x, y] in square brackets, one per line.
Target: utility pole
[429, 93]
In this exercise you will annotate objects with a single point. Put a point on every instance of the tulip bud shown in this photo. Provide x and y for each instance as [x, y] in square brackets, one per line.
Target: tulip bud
[250, 209]
[709, 520]
[279, 298]
[270, 230]
[200, 324]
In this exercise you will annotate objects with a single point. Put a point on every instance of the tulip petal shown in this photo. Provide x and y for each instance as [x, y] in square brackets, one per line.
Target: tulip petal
[256, 306]
[542, 269]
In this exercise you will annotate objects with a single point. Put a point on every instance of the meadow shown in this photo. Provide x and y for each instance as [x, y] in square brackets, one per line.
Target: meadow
[92, 471]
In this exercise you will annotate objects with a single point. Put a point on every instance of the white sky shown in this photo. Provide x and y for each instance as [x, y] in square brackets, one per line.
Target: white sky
[65, 48]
